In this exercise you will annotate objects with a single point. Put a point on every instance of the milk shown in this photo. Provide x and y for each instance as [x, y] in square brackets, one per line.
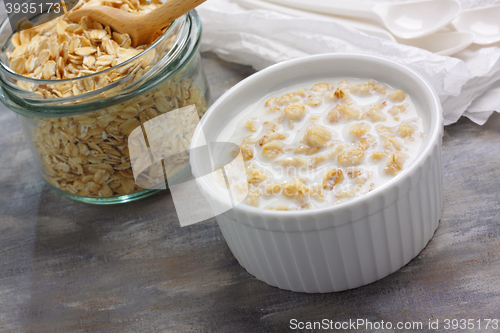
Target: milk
[236, 132]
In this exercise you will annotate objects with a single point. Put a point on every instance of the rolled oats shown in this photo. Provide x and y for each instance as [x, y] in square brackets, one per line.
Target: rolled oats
[396, 96]
[253, 197]
[272, 149]
[317, 136]
[332, 178]
[87, 155]
[272, 188]
[349, 157]
[296, 189]
[295, 111]
[250, 124]
[359, 129]
[405, 130]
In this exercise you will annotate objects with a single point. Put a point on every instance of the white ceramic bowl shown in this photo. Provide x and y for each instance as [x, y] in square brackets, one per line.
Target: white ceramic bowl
[350, 244]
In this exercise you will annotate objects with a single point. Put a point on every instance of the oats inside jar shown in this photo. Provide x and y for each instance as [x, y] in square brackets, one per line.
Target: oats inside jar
[87, 154]
[322, 143]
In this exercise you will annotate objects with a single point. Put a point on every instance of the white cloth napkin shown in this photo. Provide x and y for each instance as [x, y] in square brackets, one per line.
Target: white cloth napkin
[468, 83]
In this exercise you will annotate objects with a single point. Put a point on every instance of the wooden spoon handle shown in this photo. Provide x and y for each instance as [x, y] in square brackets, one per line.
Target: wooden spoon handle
[141, 28]
[168, 12]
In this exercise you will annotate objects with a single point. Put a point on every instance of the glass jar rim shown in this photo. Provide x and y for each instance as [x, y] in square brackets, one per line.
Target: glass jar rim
[186, 44]
[7, 70]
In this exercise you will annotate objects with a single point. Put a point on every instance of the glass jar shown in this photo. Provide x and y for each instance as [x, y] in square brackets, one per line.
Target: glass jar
[79, 140]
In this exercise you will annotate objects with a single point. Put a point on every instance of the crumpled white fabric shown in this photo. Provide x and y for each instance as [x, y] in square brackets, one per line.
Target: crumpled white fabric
[468, 84]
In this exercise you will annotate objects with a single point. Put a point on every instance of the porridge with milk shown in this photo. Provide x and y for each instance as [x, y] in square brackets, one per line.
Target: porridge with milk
[322, 143]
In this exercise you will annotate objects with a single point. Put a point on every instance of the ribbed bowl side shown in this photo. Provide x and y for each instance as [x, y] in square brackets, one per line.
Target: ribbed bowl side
[346, 256]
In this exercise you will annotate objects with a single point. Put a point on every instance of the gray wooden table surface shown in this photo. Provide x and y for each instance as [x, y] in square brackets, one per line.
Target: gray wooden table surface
[66, 266]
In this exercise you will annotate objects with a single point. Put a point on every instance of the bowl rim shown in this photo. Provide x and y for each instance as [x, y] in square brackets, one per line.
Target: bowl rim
[435, 132]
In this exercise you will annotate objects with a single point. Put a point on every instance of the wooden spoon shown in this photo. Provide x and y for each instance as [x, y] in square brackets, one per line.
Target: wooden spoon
[141, 28]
